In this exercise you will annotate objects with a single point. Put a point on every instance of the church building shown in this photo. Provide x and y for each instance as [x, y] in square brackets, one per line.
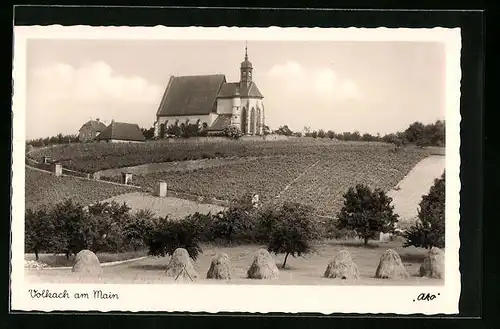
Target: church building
[212, 103]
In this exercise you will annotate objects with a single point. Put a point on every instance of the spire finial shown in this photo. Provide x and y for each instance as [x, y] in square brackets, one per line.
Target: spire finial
[246, 51]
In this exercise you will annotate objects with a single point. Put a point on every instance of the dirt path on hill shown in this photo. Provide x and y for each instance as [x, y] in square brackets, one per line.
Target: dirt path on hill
[408, 193]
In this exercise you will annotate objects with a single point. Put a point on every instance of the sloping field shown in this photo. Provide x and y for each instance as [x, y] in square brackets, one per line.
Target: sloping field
[319, 179]
[306, 270]
[173, 207]
[92, 157]
[417, 183]
[45, 189]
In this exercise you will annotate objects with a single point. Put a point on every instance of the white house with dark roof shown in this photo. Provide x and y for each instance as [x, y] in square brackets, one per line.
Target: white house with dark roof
[90, 130]
[212, 102]
[120, 132]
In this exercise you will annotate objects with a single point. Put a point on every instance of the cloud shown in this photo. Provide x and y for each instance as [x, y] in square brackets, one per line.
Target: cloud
[67, 96]
[93, 82]
[320, 82]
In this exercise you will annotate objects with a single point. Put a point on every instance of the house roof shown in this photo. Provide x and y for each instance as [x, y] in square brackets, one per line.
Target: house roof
[122, 131]
[222, 121]
[229, 89]
[98, 126]
[191, 95]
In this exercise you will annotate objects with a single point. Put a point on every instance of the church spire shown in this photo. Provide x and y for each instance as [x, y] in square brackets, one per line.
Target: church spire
[245, 70]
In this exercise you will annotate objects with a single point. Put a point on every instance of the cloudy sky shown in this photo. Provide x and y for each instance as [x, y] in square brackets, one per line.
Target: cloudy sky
[374, 87]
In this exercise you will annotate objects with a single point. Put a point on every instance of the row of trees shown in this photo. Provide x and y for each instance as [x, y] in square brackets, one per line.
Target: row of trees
[289, 228]
[417, 133]
[58, 139]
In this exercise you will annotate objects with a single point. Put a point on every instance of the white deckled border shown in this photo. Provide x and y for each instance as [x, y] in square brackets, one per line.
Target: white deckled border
[245, 298]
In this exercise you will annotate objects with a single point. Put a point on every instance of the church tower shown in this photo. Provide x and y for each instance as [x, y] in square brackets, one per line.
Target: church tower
[245, 71]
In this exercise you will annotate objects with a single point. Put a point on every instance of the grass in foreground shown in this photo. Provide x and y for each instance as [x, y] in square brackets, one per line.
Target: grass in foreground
[307, 270]
[61, 261]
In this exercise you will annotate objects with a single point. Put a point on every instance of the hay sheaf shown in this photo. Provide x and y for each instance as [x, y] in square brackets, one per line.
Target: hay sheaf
[391, 266]
[87, 263]
[180, 266]
[220, 268]
[263, 266]
[433, 266]
[342, 266]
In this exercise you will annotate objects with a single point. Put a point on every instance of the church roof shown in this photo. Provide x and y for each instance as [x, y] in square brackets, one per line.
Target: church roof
[122, 131]
[222, 121]
[229, 89]
[191, 95]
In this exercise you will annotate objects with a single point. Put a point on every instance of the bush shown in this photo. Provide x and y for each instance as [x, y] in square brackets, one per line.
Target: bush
[232, 132]
[292, 231]
[138, 229]
[367, 212]
[172, 234]
[429, 231]
[203, 224]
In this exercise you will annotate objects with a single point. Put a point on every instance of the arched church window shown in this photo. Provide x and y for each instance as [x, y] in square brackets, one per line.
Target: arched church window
[244, 116]
[258, 119]
[252, 121]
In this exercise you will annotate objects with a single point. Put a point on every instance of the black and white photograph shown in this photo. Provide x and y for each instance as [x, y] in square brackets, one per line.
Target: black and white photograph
[221, 165]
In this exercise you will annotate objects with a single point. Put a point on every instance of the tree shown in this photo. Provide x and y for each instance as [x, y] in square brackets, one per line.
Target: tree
[415, 132]
[429, 230]
[172, 234]
[284, 130]
[148, 133]
[39, 231]
[367, 212]
[330, 134]
[321, 133]
[292, 231]
[72, 229]
[266, 130]
[139, 228]
[235, 223]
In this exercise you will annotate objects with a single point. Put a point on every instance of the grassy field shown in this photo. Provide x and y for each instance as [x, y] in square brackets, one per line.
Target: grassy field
[306, 270]
[316, 179]
[45, 189]
[92, 157]
[61, 261]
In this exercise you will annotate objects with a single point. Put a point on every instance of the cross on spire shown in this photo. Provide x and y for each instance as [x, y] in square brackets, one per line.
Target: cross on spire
[246, 51]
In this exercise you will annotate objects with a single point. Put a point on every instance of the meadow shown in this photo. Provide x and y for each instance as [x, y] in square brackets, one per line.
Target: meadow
[306, 270]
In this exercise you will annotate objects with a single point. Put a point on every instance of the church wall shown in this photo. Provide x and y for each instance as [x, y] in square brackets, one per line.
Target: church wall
[225, 106]
[255, 103]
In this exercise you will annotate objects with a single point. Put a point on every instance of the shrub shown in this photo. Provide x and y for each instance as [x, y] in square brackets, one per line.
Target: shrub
[237, 223]
[292, 231]
[139, 228]
[202, 224]
[429, 231]
[170, 235]
[367, 212]
[232, 132]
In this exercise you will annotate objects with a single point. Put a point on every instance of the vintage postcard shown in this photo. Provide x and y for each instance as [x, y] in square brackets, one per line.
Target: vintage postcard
[236, 169]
